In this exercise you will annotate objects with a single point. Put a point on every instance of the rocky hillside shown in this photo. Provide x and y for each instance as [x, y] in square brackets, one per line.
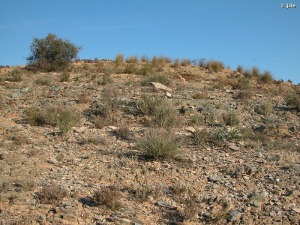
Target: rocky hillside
[148, 142]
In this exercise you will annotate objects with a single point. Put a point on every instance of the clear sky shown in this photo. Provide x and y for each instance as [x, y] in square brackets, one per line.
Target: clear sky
[250, 33]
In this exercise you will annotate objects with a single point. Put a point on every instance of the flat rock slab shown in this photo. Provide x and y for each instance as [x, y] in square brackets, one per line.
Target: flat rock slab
[159, 86]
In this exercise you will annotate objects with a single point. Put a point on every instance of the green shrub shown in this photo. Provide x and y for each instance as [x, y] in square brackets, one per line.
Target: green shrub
[293, 100]
[243, 83]
[51, 53]
[214, 66]
[158, 145]
[230, 119]
[155, 78]
[131, 69]
[163, 112]
[266, 77]
[147, 69]
[265, 108]
[119, 60]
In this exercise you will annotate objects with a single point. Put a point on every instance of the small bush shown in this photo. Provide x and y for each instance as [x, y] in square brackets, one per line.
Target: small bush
[176, 63]
[158, 145]
[15, 75]
[240, 69]
[106, 79]
[155, 78]
[108, 196]
[44, 81]
[245, 95]
[147, 69]
[131, 69]
[196, 119]
[65, 77]
[214, 66]
[145, 59]
[62, 118]
[266, 77]
[201, 137]
[148, 105]
[255, 71]
[52, 53]
[185, 62]
[119, 60]
[200, 95]
[132, 59]
[154, 61]
[247, 73]
[230, 119]
[265, 108]
[293, 100]
[82, 98]
[242, 84]
[52, 194]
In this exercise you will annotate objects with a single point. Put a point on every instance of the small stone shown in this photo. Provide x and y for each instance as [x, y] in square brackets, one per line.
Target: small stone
[214, 178]
[234, 215]
[234, 147]
[159, 86]
[52, 161]
[168, 95]
[297, 210]
[190, 129]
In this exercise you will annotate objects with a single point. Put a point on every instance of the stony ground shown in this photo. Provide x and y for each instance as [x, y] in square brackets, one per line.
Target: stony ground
[95, 174]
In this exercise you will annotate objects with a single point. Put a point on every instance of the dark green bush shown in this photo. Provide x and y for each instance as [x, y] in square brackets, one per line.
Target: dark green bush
[51, 53]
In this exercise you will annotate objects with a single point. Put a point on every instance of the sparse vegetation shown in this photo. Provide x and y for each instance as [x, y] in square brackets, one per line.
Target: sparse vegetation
[230, 119]
[214, 66]
[266, 77]
[265, 108]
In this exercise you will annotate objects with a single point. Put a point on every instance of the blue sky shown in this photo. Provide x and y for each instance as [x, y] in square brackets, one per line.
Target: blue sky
[250, 33]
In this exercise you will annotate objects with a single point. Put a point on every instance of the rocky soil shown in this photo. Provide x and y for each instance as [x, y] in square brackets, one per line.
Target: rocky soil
[95, 174]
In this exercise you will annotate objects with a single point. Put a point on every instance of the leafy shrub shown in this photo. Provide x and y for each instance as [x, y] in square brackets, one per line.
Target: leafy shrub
[108, 196]
[230, 119]
[158, 145]
[155, 78]
[214, 66]
[266, 77]
[119, 60]
[51, 53]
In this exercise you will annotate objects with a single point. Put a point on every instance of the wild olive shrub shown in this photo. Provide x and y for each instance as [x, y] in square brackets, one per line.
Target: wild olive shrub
[158, 144]
[51, 53]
